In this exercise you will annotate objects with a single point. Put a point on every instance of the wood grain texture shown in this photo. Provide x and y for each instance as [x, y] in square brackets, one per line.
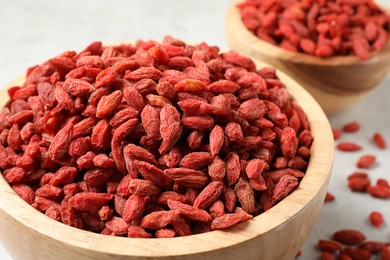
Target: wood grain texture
[277, 234]
[336, 82]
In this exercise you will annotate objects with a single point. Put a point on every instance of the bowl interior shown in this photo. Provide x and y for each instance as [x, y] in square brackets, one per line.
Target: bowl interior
[310, 192]
[336, 82]
[247, 38]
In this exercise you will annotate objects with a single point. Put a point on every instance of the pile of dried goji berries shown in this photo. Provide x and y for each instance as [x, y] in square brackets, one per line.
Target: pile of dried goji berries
[352, 243]
[152, 139]
[322, 28]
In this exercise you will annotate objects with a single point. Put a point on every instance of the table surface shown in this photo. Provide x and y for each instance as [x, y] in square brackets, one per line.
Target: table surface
[34, 31]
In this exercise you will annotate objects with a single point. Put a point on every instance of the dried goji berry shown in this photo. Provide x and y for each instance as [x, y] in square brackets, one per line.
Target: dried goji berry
[385, 253]
[329, 245]
[366, 161]
[108, 104]
[348, 146]
[356, 253]
[245, 195]
[378, 191]
[228, 220]
[372, 246]
[329, 197]
[159, 219]
[358, 183]
[349, 236]
[117, 225]
[89, 201]
[327, 256]
[376, 219]
[196, 160]
[379, 140]
[137, 231]
[351, 127]
[208, 195]
[133, 208]
[25, 192]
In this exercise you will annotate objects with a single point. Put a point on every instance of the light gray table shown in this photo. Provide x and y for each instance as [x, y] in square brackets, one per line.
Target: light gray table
[34, 31]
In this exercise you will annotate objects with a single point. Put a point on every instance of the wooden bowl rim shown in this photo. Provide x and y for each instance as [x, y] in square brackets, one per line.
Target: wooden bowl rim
[235, 26]
[317, 175]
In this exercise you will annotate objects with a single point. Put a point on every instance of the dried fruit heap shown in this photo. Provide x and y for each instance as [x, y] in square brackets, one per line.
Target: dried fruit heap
[152, 140]
[322, 28]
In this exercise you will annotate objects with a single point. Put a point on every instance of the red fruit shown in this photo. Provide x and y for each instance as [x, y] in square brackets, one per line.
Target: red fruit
[376, 219]
[348, 147]
[366, 161]
[351, 127]
[379, 140]
[349, 236]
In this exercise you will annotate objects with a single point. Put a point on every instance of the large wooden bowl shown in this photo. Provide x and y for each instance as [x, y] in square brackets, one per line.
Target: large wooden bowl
[276, 234]
[336, 83]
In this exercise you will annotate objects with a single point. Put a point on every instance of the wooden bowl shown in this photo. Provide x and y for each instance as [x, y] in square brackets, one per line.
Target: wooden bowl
[276, 234]
[336, 82]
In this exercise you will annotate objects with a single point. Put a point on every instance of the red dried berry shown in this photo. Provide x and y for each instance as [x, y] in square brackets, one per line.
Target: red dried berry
[373, 246]
[348, 147]
[330, 246]
[351, 127]
[376, 219]
[349, 237]
[379, 140]
[366, 161]
[329, 197]
[381, 192]
[336, 133]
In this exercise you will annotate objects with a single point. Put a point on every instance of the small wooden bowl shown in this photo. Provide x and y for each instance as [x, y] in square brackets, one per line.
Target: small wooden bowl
[276, 234]
[336, 83]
